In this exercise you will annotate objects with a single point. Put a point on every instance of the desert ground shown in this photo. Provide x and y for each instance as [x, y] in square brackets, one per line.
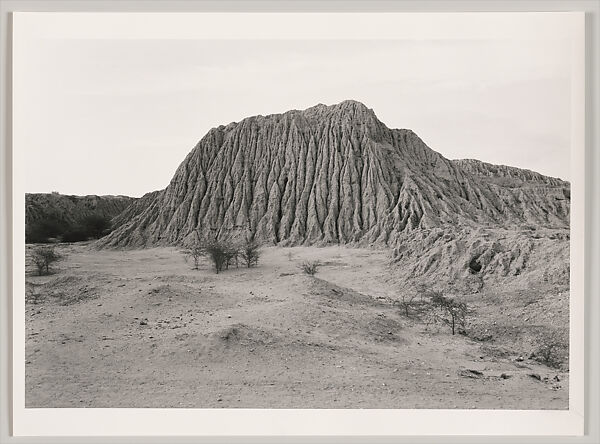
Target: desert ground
[142, 328]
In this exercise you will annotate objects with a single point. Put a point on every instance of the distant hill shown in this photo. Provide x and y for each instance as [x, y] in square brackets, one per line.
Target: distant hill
[70, 218]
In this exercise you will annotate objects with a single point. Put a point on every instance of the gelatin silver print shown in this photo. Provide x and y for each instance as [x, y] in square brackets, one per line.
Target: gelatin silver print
[298, 223]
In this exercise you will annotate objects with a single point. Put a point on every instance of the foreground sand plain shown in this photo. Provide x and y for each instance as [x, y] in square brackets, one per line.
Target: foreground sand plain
[141, 328]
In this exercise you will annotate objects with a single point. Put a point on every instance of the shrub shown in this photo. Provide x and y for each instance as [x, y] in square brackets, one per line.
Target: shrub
[195, 252]
[310, 267]
[32, 294]
[43, 230]
[406, 302]
[95, 225]
[43, 257]
[232, 254]
[250, 252]
[218, 252]
[223, 253]
[449, 311]
[552, 350]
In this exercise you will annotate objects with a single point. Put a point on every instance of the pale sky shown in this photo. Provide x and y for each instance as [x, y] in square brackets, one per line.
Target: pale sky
[117, 116]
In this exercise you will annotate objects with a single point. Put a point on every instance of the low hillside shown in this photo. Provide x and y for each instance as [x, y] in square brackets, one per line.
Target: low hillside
[57, 216]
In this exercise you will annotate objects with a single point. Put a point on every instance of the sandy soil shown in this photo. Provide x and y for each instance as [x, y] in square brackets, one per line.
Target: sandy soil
[143, 329]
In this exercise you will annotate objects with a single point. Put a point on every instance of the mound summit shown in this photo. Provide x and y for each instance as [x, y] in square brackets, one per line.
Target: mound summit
[332, 174]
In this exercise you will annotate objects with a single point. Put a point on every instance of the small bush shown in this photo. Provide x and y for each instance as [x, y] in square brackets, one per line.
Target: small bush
[449, 311]
[407, 302]
[250, 252]
[310, 267]
[42, 258]
[552, 350]
[195, 252]
[223, 253]
[232, 254]
[32, 293]
[219, 252]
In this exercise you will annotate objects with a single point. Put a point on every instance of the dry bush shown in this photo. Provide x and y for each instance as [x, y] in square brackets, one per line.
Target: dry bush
[222, 253]
[407, 302]
[232, 254]
[448, 311]
[217, 252]
[32, 293]
[552, 349]
[42, 258]
[250, 253]
[195, 252]
[310, 267]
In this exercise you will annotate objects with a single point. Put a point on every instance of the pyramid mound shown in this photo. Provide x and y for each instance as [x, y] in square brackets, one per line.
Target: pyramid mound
[332, 174]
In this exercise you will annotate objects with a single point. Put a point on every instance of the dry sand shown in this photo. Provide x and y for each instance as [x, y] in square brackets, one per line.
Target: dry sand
[143, 329]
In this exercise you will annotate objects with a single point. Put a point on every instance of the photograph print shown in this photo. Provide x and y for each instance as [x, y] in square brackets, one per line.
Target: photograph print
[298, 223]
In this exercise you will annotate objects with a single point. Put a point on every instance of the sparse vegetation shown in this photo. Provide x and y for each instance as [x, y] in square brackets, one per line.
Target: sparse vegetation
[407, 302]
[223, 253]
[43, 257]
[218, 253]
[552, 350]
[44, 231]
[250, 252]
[96, 225]
[195, 252]
[232, 254]
[348, 304]
[310, 267]
[449, 311]
[51, 229]
[32, 293]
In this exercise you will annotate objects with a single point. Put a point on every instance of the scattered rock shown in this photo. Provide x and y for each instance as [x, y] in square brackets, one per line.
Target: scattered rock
[535, 376]
[470, 373]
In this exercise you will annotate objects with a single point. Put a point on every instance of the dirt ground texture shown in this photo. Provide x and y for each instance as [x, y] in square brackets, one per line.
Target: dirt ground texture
[141, 328]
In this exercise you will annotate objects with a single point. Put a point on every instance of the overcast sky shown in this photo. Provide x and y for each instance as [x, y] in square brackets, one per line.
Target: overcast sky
[118, 116]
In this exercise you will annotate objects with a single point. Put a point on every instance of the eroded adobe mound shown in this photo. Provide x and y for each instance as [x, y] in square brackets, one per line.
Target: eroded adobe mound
[332, 174]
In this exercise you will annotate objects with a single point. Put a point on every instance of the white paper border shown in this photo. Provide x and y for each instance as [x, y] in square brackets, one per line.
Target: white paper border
[259, 422]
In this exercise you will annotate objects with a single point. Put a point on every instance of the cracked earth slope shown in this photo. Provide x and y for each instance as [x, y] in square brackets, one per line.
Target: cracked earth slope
[332, 174]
